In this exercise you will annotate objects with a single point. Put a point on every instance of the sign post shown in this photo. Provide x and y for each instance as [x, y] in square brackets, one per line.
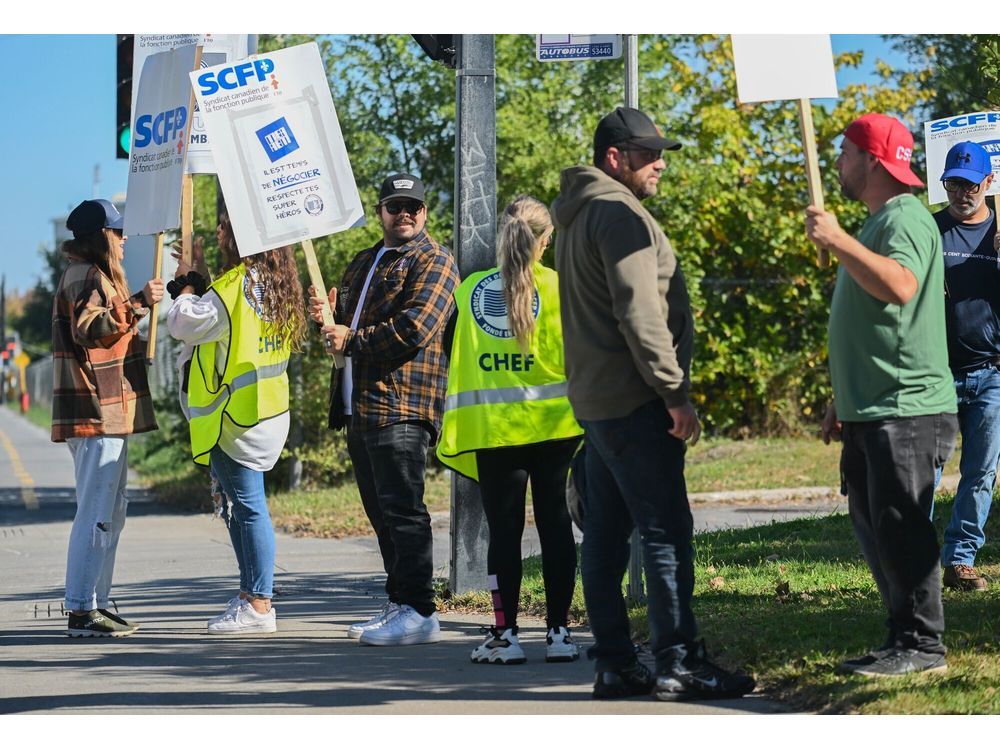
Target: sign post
[774, 67]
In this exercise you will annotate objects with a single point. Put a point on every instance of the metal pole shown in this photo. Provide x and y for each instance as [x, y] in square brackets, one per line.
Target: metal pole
[475, 238]
[634, 591]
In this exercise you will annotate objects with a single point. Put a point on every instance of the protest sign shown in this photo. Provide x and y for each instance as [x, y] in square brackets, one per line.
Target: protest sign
[217, 49]
[159, 136]
[940, 135]
[278, 148]
[774, 67]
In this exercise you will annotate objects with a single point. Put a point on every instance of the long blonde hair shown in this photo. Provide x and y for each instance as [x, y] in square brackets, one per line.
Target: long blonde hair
[525, 228]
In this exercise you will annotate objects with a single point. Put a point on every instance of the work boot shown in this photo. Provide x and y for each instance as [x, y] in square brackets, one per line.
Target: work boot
[963, 578]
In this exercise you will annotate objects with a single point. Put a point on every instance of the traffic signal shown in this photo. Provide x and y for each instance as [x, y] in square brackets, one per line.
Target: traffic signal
[123, 129]
[440, 47]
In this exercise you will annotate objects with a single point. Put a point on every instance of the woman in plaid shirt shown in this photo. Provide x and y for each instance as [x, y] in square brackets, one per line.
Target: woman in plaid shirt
[100, 396]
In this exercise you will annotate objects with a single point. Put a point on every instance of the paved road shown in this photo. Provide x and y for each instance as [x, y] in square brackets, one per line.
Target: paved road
[175, 570]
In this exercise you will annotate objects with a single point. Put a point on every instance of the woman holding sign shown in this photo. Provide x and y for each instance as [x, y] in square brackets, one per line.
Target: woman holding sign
[238, 335]
[507, 421]
[100, 397]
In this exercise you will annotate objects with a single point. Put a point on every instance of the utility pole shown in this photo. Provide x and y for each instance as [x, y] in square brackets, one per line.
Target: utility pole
[475, 243]
[634, 591]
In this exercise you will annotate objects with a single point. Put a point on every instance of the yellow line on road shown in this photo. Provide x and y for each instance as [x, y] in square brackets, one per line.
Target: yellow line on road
[28, 495]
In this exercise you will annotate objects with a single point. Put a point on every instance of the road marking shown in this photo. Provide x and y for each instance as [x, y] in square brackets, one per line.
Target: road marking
[28, 495]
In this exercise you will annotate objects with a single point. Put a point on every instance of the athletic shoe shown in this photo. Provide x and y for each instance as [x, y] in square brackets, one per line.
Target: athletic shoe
[245, 619]
[499, 648]
[388, 611]
[692, 676]
[635, 679]
[231, 606]
[850, 666]
[559, 645]
[95, 624]
[902, 661]
[119, 619]
[407, 628]
[963, 578]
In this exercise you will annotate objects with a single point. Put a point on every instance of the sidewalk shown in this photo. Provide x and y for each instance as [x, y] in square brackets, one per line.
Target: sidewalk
[174, 571]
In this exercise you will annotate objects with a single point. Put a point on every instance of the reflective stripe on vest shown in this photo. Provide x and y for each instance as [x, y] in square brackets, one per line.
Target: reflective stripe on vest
[254, 383]
[499, 396]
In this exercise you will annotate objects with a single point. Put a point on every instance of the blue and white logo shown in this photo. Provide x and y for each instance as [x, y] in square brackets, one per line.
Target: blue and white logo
[313, 204]
[489, 307]
[277, 139]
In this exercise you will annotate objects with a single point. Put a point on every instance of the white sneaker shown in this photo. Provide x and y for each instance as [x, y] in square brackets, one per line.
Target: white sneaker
[407, 628]
[499, 648]
[388, 611]
[231, 606]
[559, 646]
[245, 619]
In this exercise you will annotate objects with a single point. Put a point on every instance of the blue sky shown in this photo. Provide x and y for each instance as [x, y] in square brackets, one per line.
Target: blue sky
[60, 123]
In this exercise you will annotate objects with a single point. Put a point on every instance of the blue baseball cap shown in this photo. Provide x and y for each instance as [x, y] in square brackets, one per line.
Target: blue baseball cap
[91, 216]
[967, 161]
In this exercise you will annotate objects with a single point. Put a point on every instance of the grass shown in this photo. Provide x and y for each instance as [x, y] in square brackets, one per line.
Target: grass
[790, 600]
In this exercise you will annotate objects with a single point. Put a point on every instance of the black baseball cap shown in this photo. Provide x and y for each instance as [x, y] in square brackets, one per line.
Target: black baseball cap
[627, 125]
[91, 216]
[401, 185]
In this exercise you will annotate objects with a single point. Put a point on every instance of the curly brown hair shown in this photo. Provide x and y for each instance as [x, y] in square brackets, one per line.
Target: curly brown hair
[283, 301]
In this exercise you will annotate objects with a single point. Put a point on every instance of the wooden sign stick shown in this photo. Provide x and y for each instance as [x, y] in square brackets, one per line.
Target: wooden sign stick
[154, 310]
[812, 166]
[316, 279]
[187, 183]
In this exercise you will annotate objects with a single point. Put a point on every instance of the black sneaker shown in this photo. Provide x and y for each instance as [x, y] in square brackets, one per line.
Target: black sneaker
[902, 661]
[95, 624]
[635, 679]
[694, 677]
[850, 666]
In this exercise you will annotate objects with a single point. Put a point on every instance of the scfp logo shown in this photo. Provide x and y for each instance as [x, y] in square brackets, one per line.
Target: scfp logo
[965, 121]
[235, 76]
[161, 128]
[489, 307]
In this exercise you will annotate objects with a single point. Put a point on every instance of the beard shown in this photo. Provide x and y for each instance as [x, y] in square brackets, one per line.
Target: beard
[640, 188]
[963, 208]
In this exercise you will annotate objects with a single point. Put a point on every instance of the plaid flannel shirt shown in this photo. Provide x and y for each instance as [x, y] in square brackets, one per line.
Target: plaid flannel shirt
[99, 384]
[397, 352]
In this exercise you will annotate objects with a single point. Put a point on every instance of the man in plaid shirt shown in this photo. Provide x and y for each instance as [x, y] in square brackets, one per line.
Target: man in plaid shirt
[395, 299]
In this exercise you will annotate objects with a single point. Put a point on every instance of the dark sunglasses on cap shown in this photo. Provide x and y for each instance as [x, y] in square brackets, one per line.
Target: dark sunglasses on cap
[396, 207]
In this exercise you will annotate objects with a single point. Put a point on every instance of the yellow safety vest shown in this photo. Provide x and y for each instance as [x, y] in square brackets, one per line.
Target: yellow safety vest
[497, 395]
[253, 384]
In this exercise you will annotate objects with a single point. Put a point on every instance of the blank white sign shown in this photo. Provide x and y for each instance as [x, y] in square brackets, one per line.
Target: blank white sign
[772, 67]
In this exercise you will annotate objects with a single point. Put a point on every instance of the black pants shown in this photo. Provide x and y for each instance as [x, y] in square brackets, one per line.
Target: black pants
[889, 468]
[503, 482]
[389, 465]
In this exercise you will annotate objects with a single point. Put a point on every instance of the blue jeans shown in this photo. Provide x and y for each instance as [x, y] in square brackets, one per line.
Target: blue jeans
[635, 474]
[979, 420]
[244, 509]
[101, 470]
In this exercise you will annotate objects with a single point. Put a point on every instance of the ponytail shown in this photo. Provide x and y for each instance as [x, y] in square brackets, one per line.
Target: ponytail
[524, 228]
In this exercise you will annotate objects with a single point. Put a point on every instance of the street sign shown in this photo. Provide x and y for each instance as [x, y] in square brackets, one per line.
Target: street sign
[564, 47]
[278, 148]
[940, 135]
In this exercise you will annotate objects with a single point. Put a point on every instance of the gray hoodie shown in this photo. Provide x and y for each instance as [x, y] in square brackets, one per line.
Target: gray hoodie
[628, 331]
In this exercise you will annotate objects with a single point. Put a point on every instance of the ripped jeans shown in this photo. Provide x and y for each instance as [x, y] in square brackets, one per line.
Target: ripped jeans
[101, 466]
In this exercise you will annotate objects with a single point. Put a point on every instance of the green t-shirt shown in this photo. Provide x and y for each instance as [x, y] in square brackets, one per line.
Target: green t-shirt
[887, 360]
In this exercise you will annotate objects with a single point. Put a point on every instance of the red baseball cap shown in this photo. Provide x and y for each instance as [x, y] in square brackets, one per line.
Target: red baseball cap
[889, 141]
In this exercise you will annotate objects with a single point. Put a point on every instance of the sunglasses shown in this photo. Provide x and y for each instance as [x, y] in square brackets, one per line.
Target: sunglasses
[395, 208]
[961, 186]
